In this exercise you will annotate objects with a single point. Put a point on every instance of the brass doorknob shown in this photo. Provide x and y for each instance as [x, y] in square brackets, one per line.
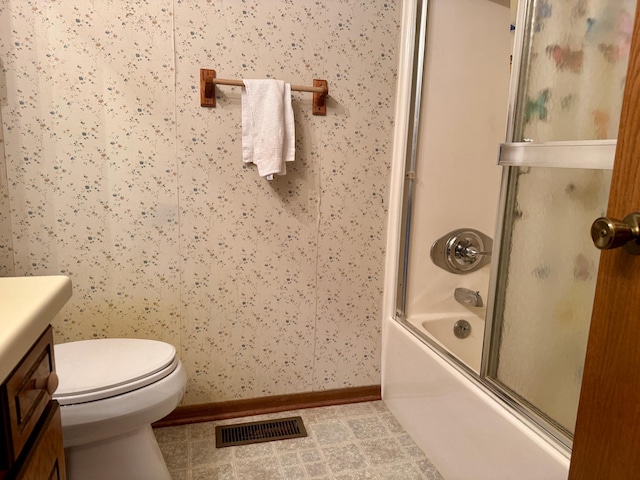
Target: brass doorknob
[608, 233]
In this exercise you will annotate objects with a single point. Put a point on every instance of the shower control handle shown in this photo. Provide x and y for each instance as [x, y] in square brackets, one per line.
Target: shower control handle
[609, 233]
[464, 250]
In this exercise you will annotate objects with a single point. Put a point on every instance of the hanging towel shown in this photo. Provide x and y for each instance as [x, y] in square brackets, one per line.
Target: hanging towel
[268, 132]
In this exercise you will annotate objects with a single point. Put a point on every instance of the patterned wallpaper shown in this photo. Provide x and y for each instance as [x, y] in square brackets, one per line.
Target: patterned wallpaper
[119, 179]
[6, 242]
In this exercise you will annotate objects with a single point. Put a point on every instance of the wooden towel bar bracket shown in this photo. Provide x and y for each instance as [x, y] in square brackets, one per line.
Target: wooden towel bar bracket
[208, 81]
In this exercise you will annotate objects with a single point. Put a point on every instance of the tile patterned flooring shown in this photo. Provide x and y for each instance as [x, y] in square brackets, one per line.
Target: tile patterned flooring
[361, 441]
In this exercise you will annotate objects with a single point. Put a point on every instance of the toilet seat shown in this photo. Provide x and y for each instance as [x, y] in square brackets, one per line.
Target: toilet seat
[91, 370]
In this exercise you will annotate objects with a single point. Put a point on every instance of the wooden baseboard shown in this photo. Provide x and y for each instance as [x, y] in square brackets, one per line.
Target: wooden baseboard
[208, 412]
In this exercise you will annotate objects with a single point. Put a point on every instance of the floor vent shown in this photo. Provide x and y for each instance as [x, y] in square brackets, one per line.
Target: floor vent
[256, 432]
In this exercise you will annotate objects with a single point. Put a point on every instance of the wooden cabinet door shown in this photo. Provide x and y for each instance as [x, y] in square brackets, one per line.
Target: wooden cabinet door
[45, 461]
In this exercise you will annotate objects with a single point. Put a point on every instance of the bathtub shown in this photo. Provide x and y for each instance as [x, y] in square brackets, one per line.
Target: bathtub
[462, 427]
[439, 328]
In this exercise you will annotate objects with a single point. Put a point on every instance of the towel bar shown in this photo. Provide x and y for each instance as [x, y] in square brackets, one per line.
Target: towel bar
[208, 81]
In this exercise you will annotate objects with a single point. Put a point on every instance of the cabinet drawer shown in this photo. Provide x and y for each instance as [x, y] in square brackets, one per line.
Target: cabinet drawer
[28, 391]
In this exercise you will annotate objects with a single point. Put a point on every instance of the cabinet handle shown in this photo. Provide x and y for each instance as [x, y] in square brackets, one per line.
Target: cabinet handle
[49, 383]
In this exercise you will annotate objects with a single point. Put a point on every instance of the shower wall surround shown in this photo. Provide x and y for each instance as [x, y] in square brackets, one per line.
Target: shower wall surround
[119, 179]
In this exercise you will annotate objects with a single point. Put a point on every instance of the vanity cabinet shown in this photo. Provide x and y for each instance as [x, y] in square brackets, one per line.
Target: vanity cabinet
[31, 446]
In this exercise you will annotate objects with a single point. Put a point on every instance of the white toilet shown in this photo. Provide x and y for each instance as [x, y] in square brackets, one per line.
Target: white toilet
[110, 392]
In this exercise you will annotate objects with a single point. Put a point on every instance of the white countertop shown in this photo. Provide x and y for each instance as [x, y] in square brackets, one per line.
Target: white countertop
[27, 306]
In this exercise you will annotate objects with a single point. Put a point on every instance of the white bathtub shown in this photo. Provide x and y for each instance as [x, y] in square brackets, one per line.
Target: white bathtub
[465, 431]
[439, 327]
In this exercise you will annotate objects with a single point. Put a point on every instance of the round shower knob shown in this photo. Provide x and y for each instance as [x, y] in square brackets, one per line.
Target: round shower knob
[464, 250]
[609, 233]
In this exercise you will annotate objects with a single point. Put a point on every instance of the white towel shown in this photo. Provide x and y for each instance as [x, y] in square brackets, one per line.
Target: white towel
[268, 132]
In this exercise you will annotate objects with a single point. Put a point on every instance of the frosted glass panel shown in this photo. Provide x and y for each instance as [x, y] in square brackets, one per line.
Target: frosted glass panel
[550, 284]
[570, 89]
[576, 69]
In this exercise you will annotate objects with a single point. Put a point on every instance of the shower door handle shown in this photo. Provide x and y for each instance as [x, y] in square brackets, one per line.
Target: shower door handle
[609, 233]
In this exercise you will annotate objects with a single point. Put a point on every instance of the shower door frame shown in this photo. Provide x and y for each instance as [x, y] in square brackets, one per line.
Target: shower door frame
[591, 154]
[520, 43]
[410, 155]
[557, 436]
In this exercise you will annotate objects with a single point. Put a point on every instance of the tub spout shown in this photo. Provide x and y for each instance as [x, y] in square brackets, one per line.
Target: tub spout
[468, 297]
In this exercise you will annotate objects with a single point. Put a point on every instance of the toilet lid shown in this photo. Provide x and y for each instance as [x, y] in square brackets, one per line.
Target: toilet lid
[91, 370]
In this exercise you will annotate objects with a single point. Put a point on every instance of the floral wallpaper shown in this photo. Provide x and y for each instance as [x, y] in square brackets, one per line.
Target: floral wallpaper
[118, 178]
[6, 241]
[578, 61]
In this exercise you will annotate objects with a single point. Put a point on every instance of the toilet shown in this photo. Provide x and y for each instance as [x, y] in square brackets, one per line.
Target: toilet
[110, 392]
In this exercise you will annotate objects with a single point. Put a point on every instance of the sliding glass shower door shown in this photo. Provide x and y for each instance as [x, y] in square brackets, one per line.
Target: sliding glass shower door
[565, 121]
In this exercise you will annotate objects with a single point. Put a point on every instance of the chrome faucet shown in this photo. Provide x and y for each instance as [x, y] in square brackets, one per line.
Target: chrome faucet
[468, 297]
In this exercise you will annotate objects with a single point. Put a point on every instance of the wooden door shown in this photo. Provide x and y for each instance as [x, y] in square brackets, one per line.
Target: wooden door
[607, 435]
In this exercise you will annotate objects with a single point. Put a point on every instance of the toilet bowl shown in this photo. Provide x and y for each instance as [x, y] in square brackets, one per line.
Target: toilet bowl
[110, 392]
